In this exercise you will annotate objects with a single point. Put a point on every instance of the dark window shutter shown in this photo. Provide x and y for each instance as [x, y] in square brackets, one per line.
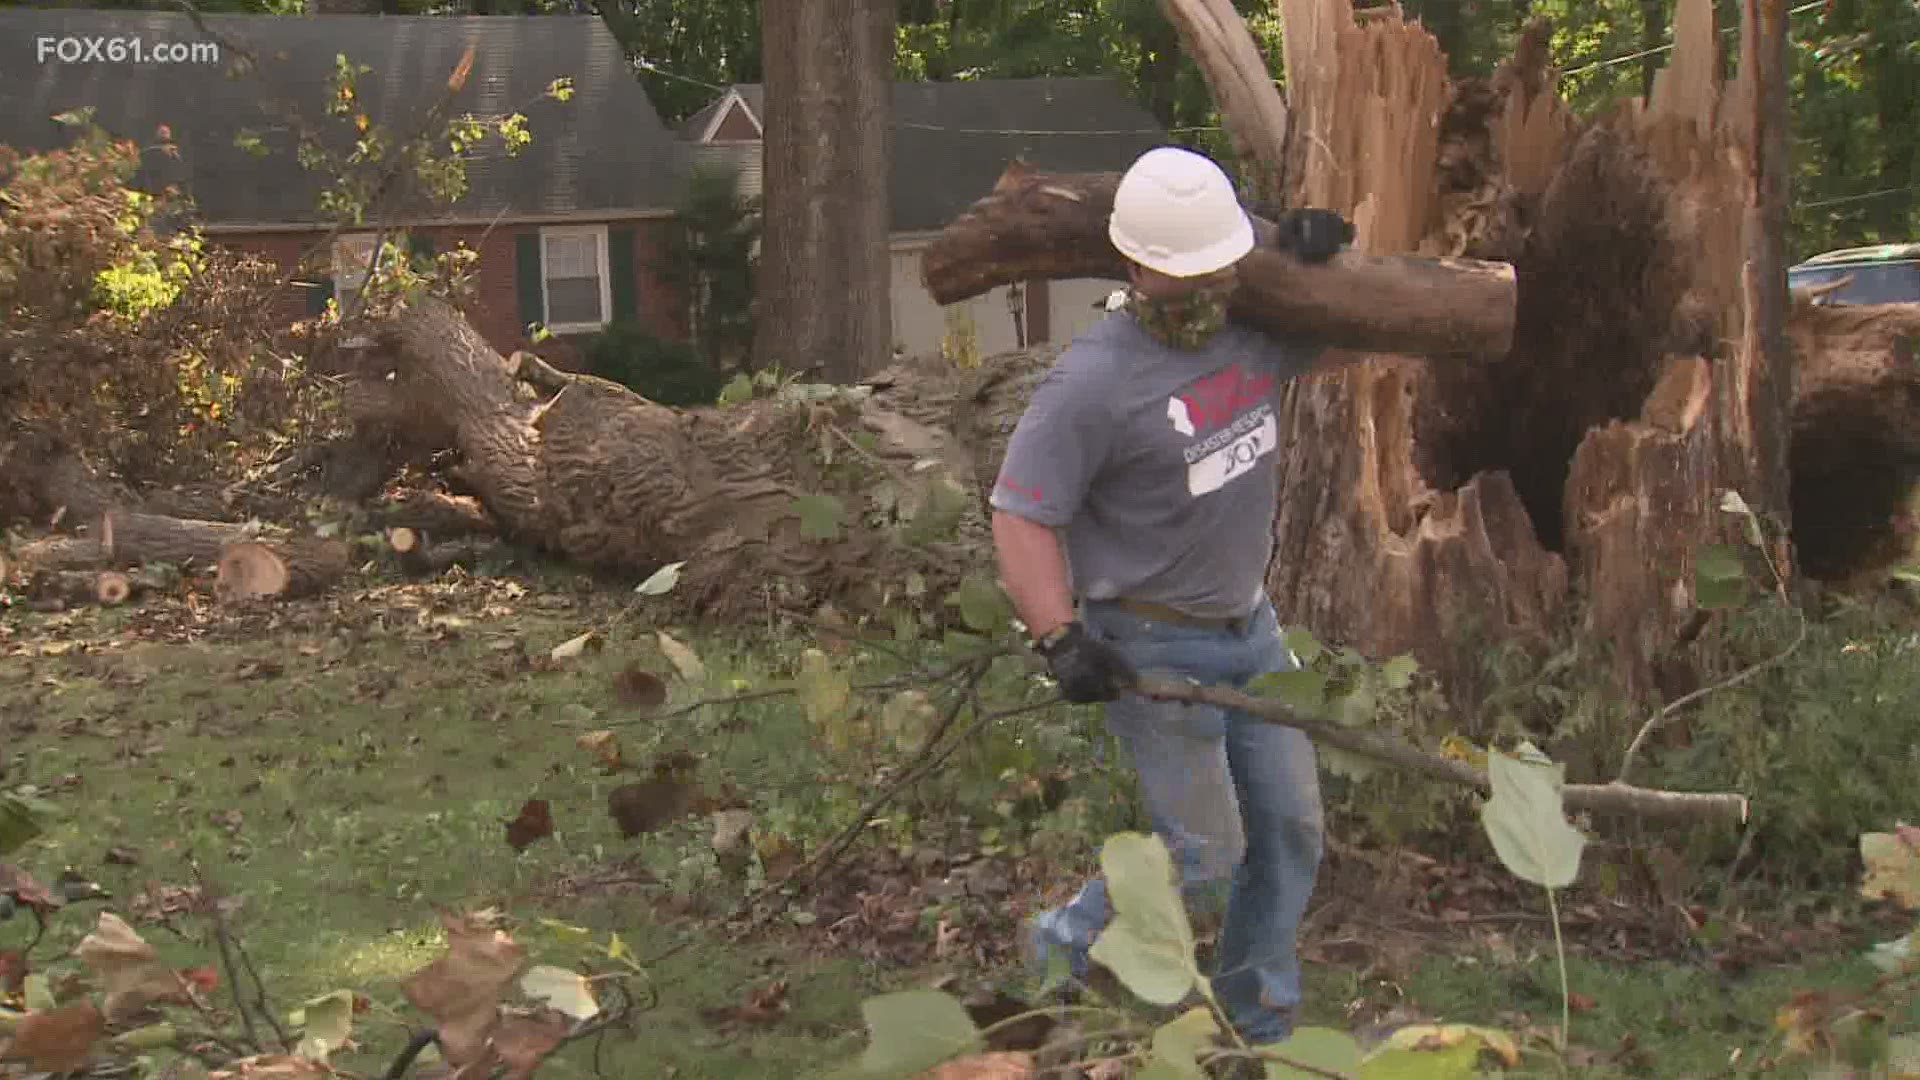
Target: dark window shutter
[526, 269]
[420, 247]
[318, 293]
[620, 268]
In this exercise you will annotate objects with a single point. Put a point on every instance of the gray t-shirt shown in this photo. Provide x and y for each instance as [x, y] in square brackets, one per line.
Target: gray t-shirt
[1157, 463]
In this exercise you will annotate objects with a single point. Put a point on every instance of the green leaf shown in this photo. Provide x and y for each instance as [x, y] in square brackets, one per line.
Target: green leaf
[738, 389]
[1527, 822]
[1157, 969]
[1398, 672]
[566, 991]
[1398, 1063]
[1712, 594]
[151, 1037]
[938, 513]
[1149, 943]
[1892, 866]
[1304, 689]
[328, 1022]
[983, 606]
[914, 1030]
[1718, 562]
[37, 992]
[1319, 1048]
[1306, 648]
[567, 933]
[21, 819]
[1179, 1043]
[820, 516]
[824, 689]
[661, 581]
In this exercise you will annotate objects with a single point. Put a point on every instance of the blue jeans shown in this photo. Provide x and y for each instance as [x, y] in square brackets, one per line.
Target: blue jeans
[1231, 795]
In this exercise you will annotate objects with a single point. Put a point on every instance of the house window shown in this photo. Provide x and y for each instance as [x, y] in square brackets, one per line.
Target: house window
[352, 253]
[574, 277]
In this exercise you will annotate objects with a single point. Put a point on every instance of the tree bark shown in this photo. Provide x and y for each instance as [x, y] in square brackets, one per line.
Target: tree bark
[1054, 225]
[824, 279]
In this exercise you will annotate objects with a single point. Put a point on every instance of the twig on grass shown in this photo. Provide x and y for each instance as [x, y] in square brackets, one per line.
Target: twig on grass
[230, 947]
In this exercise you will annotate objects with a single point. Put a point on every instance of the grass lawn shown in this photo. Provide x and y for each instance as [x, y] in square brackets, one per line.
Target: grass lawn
[345, 765]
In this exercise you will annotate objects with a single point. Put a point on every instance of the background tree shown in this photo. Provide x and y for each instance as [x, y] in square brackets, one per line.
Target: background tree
[825, 298]
[710, 258]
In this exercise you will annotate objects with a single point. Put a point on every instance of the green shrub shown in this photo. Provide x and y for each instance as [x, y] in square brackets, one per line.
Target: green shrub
[1824, 743]
[658, 369]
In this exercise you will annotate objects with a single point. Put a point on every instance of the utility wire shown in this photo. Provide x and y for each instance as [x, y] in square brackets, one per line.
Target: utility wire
[1657, 49]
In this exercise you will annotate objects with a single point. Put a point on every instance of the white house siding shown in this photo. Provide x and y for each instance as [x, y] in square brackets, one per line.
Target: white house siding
[920, 325]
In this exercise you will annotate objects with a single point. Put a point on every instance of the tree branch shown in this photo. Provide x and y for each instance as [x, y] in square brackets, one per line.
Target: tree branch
[1609, 798]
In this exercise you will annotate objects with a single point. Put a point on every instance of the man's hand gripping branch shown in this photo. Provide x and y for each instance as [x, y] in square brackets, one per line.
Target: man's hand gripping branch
[1035, 575]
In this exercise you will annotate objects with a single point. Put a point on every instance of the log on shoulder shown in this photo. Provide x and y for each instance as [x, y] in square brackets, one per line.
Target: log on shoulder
[1038, 225]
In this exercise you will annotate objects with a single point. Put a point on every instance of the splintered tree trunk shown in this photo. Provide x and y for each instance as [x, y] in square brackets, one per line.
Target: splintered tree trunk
[825, 270]
[1440, 508]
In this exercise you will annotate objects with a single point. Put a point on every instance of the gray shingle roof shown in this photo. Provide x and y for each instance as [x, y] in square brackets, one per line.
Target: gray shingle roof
[951, 140]
[605, 150]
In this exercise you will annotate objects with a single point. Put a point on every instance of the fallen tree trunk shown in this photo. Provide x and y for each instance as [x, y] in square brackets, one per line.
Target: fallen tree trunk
[1726, 808]
[766, 501]
[123, 538]
[1054, 225]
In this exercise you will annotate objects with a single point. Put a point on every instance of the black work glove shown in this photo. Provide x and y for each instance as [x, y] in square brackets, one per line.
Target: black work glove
[1311, 235]
[1087, 669]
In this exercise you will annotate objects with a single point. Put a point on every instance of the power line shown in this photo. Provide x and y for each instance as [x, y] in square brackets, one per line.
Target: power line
[1656, 50]
[1855, 198]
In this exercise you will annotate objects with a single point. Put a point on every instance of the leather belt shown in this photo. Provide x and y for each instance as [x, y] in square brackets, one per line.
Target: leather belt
[1148, 609]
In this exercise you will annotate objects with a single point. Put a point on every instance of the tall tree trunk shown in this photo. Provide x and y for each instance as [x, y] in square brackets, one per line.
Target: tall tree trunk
[824, 281]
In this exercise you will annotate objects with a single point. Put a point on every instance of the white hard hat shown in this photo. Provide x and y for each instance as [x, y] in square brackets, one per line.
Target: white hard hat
[1176, 212]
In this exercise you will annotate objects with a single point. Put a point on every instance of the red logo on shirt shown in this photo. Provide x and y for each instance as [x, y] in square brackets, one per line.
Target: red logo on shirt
[1213, 401]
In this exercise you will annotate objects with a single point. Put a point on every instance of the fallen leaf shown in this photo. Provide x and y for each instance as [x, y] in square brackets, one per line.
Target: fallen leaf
[13, 972]
[523, 1042]
[1579, 1002]
[205, 978]
[123, 856]
[327, 1022]
[605, 746]
[730, 830]
[20, 885]
[567, 992]
[763, 1005]
[684, 660]
[644, 807]
[129, 968]
[58, 1040]
[1009, 1065]
[573, 647]
[461, 990]
[640, 688]
[271, 1067]
[534, 823]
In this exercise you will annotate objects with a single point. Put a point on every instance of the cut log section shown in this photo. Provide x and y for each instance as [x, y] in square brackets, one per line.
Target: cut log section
[1054, 225]
[111, 587]
[285, 569]
[409, 547]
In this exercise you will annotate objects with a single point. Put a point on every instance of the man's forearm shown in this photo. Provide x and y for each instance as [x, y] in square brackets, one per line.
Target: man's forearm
[1034, 572]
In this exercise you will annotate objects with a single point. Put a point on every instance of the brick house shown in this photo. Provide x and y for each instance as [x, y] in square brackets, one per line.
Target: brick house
[951, 141]
[568, 232]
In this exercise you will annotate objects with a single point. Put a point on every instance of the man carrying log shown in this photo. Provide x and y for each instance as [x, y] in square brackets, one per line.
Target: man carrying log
[1139, 487]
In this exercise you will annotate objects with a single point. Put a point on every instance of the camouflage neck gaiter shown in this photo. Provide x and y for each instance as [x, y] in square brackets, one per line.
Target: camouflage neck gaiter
[1181, 322]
